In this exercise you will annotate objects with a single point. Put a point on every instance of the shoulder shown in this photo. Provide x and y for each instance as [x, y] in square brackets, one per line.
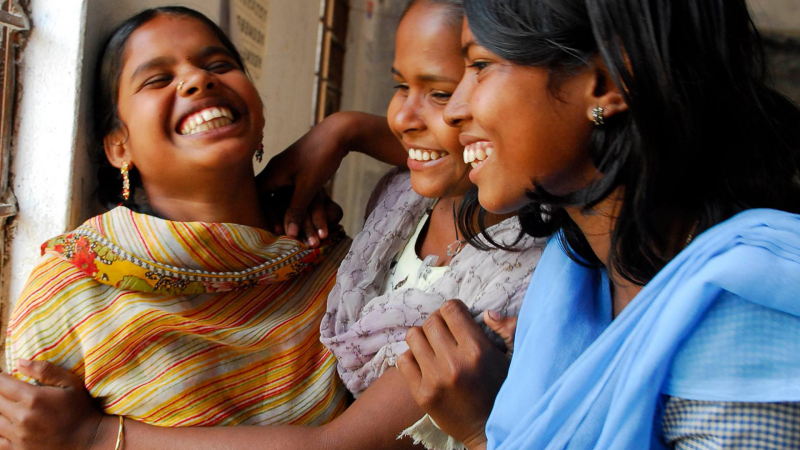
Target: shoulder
[739, 351]
[394, 183]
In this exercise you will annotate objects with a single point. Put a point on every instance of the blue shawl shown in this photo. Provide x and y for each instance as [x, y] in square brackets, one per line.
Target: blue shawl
[580, 381]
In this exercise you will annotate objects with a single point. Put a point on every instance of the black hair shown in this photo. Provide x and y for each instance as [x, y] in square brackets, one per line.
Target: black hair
[704, 136]
[455, 9]
[106, 115]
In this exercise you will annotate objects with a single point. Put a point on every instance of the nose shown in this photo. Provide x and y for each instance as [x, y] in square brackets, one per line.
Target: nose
[408, 119]
[198, 81]
[458, 110]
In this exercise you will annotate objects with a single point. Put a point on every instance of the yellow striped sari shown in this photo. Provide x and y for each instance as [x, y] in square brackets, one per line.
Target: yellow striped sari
[185, 323]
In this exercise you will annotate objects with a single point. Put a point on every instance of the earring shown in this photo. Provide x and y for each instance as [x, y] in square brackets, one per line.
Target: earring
[180, 86]
[260, 152]
[597, 116]
[126, 181]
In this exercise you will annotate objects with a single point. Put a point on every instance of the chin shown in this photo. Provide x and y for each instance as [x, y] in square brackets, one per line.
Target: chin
[499, 202]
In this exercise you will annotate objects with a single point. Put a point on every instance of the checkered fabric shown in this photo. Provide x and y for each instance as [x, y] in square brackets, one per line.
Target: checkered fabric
[703, 425]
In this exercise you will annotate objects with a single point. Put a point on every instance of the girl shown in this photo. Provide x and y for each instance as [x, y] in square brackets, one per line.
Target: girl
[664, 315]
[409, 260]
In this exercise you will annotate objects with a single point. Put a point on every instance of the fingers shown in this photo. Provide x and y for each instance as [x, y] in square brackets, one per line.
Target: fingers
[460, 322]
[505, 327]
[333, 212]
[11, 388]
[424, 355]
[318, 217]
[296, 213]
[409, 369]
[48, 374]
[439, 336]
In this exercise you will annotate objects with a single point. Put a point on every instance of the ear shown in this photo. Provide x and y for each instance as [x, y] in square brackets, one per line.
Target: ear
[603, 92]
[116, 147]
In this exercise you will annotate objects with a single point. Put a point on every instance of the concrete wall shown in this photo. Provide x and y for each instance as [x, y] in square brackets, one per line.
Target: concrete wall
[367, 87]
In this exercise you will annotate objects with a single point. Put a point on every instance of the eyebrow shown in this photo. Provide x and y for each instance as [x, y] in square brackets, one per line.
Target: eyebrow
[162, 61]
[428, 78]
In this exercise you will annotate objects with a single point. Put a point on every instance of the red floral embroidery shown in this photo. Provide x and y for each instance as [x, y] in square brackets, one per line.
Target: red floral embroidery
[83, 257]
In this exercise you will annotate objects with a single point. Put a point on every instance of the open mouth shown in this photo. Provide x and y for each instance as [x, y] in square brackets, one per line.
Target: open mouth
[425, 155]
[206, 119]
[478, 152]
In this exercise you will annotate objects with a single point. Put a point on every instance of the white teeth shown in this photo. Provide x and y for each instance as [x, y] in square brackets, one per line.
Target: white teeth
[466, 156]
[474, 165]
[426, 156]
[411, 153]
[418, 155]
[489, 151]
[480, 154]
[434, 156]
[207, 119]
[472, 154]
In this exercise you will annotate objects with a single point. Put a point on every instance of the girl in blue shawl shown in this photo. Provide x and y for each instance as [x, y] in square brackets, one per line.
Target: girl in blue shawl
[640, 136]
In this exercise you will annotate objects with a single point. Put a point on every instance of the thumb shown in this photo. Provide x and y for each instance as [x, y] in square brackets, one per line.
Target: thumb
[48, 374]
[505, 327]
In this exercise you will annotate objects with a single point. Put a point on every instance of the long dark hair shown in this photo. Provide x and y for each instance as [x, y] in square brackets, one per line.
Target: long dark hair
[704, 137]
[106, 116]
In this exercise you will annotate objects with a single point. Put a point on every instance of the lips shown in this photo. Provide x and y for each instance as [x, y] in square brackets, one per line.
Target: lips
[209, 118]
[477, 152]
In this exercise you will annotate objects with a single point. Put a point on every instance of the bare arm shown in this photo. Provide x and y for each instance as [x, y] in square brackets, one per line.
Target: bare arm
[40, 417]
[313, 160]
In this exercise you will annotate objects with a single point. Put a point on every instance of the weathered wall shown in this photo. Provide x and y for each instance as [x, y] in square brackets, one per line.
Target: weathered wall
[367, 87]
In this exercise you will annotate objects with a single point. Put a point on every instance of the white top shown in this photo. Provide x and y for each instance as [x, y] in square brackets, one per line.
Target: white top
[408, 270]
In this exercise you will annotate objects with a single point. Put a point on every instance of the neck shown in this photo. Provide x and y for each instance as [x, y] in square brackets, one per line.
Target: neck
[597, 227]
[211, 199]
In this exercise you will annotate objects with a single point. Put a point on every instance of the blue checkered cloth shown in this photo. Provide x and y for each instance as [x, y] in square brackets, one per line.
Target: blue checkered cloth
[703, 425]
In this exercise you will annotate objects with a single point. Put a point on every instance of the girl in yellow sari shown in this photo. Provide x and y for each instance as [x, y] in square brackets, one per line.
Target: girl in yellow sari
[177, 308]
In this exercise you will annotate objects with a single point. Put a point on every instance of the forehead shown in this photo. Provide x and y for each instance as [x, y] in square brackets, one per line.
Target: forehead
[427, 36]
[167, 36]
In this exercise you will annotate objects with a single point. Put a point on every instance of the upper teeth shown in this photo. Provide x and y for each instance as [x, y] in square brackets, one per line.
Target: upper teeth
[207, 119]
[424, 155]
[477, 151]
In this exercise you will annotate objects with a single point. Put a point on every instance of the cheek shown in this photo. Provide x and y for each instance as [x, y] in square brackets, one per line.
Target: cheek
[391, 113]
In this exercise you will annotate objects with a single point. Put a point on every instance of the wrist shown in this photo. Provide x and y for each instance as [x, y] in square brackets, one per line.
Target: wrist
[476, 442]
[105, 436]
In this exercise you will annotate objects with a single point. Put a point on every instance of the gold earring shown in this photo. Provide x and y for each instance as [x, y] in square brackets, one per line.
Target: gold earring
[180, 85]
[260, 152]
[126, 181]
[597, 116]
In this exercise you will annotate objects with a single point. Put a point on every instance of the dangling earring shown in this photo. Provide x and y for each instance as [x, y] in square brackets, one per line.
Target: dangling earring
[260, 152]
[126, 181]
[597, 116]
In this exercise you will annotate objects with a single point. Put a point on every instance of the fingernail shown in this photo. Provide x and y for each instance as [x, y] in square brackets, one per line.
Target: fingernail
[312, 242]
[494, 315]
[321, 233]
[293, 229]
[24, 362]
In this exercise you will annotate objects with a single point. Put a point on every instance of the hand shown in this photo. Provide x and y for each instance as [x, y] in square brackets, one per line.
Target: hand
[505, 327]
[322, 212]
[454, 372]
[307, 165]
[59, 415]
